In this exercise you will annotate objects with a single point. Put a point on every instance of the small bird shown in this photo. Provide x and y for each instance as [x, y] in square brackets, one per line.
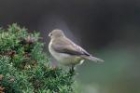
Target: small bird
[67, 52]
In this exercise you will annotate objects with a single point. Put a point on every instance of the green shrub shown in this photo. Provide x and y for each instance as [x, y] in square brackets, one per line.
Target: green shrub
[24, 67]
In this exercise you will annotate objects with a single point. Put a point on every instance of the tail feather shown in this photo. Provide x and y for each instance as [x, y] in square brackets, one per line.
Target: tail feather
[95, 59]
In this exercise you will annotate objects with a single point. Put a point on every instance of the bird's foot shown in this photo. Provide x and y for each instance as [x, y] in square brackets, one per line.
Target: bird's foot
[72, 71]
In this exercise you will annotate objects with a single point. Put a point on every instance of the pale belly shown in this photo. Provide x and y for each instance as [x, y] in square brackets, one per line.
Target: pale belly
[66, 59]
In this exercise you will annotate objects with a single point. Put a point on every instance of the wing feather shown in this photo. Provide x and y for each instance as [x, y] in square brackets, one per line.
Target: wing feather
[64, 45]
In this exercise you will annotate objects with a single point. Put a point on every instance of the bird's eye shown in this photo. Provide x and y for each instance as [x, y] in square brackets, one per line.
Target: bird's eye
[50, 34]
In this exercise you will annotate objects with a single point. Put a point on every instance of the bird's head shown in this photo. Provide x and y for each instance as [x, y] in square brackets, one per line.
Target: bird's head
[56, 33]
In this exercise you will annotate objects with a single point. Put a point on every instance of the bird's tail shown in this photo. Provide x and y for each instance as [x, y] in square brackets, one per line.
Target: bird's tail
[95, 59]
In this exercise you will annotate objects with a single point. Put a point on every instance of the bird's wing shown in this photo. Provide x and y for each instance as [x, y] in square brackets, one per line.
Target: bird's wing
[64, 45]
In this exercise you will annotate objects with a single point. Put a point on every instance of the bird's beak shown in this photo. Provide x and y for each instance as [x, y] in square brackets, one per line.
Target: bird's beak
[49, 34]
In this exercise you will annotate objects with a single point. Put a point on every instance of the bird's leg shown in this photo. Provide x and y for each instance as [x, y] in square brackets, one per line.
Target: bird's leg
[72, 70]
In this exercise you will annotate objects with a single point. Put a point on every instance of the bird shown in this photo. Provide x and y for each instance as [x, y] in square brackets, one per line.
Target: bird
[66, 52]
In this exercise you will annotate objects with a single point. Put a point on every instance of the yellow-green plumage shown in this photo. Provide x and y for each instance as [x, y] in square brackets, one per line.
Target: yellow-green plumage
[65, 51]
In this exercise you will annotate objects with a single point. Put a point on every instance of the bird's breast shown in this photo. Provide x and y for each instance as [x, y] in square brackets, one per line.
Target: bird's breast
[65, 59]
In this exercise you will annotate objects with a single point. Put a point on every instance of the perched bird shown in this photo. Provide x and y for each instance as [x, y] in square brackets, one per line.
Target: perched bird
[67, 52]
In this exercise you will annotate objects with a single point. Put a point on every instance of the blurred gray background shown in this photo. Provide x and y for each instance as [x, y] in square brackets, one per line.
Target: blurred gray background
[110, 29]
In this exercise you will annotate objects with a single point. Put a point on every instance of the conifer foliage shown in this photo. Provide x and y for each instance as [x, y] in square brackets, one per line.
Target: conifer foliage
[24, 67]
